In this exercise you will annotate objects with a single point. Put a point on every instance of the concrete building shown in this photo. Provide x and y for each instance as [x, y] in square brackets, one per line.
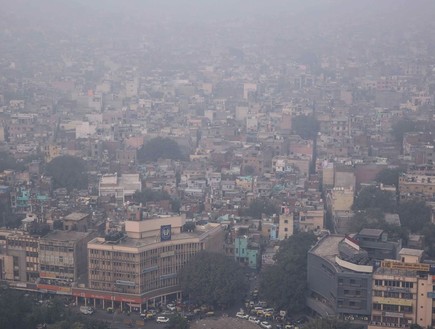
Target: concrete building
[339, 278]
[311, 220]
[139, 267]
[340, 272]
[119, 187]
[19, 259]
[417, 186]
[63, 260]
[340, 199]
[246, 252]
[286, 226]
[76, 222]
[403, 292]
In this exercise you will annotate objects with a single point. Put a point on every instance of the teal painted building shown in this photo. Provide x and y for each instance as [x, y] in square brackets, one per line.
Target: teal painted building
[245, 253]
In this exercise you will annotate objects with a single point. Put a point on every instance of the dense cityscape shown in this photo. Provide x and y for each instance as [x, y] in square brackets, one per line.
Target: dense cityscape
[217, 164]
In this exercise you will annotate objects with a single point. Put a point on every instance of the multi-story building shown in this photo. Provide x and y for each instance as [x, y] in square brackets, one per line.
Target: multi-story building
[311, 220]
[140, 266]
[76, 221]
[246, 252]
[63, 260]
[119, 187]
[20, 261]
[286, 225]
[417, 186]
[340, 199]
[402, 292]
[339, 277]
[340, 272]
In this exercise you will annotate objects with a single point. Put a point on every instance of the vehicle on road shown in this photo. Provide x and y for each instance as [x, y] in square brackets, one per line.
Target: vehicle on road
[162, 319]
[266, 325]
[242, 315]
[171, 307]
[86, 310]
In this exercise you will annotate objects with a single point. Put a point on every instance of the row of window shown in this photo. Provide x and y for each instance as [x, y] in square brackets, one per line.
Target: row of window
[392, 294]
[393, 283]
[56, 248]
[392, 308]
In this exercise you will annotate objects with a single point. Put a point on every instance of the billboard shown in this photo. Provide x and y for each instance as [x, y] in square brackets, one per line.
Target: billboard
[165, 232]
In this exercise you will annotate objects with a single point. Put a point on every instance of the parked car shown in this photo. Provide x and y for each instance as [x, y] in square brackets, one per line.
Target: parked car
[242, 315]
[266, 325]
[171, 307]
[86, 310]
[253, 319]
[162, 319]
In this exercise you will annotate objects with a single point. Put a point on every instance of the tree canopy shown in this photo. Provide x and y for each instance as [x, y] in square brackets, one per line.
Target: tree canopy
[373, 197]
[150, 195]
[283, 285]
[20, 312]
[401, 127]
[389, 176]
[9, 162]
[261, 206]
[331, 323]
[414, 215]
[305, 126]
[67, 171]
[214, 279]
[177, 321]
[160, 148]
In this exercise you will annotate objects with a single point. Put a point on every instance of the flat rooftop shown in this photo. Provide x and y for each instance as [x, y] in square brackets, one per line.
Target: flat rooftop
[370, 232]
[411, 252]
[76, 216]
[137, 243]
[395, 272]
[64, 235]
[328, 247]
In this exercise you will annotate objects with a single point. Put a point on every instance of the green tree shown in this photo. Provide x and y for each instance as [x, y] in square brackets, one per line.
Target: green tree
[7, 161]
[414, 215]
[176, 321]
[150, 195]
[401, 127]
[68, 172]
[261, 206]
[389, 176]
[305, 126]
[429, 239]
[331, 323]
[160, 148]
[283, 285]
[373, 197]
[214, 279]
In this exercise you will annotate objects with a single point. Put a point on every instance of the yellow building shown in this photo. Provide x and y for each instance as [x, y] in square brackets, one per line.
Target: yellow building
[286, 226]
[417, 185]
[341, 199]
[402, 292]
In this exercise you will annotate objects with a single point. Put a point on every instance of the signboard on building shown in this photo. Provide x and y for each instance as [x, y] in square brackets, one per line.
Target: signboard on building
[165, 233]
[394, 301]
[57, 289]
[405, 266]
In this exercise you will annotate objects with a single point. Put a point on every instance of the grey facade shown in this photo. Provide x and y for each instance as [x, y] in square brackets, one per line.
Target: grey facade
[335, 290]
[340, 272]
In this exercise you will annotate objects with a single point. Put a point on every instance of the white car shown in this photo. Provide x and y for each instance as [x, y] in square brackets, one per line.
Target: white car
[253, 319]
[171, 307]
[162, 319]
[242, 315]
[266, 325]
